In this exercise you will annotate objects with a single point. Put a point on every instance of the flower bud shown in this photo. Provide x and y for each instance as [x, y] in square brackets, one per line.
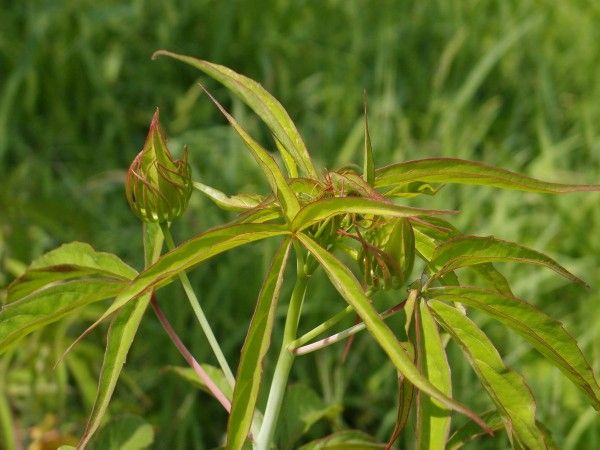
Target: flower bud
[158, 187]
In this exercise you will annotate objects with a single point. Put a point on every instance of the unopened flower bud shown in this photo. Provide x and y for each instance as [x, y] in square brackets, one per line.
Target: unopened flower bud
[158, 187]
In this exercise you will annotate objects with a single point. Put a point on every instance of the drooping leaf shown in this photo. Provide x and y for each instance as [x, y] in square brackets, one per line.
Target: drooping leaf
[465, 251]
[276, 179]
[547, 335]
[188, 374]
[345, 440]
[72, 260]
[433, 419]
[323, 209]
[368, 163]
[451, 170]
[48, 305]
[254, 350]
[242, 202]
[189, 254]
[349, 287]
[121, 333]
[261, 102]
[120, 337]
[124, 433]
[507, 388]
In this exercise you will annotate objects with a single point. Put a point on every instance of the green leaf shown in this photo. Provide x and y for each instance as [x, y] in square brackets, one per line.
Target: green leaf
[72, 260]
[242, 202]
[302, 408]
[433, 419]
[121, 333]
[507, 388]
[124, 433]
[368, 163]
[189, 254]
[120, 337]
[46, 306]
[451, 170]
[472, 250]
[471, 431]
[544, 333]
[345, 440]
[277, 181]
[214, 373]
[254, 350]
[323, 209]
[349, 287]
[261, 102]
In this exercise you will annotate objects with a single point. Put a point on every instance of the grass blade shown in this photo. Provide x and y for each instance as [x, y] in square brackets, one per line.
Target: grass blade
[452, 170]
[544, 333]
[254, 350]
[349, 287]
[261, 102]
[507, 388]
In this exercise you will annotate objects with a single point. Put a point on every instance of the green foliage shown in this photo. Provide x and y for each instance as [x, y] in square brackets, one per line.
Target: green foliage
[448, 120]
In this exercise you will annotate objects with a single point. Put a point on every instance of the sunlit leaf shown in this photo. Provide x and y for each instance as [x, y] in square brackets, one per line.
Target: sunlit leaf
[451, 170]
[323, 209]
[189, 254]
[263, 104]
[277, 180]
[465, 251]
[241, 202]
[507, 388]
[349, 287]
[72, 260]
[249, 373]
[544, 333]
[48, 305]
[433, 419]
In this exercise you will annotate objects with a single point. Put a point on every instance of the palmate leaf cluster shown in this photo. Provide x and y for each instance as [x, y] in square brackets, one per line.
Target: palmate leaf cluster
[355, 226]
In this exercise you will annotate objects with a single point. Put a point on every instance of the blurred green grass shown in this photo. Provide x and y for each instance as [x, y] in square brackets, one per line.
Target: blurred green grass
[511, 83]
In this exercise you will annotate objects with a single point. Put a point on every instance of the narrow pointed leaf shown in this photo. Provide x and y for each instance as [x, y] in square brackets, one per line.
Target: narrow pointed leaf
[507, 388]
[451, 170]
[189, 254]
[547, 335]
[323, 209]
[288, 160]
[45, 306]
[349, 287]
[121, 333]
[277, 181]
[120, 337]
[69, 261]
[261, 102]
[368, 163]
[433, 418]
[254, 350]
[465, 251]
[226, 202]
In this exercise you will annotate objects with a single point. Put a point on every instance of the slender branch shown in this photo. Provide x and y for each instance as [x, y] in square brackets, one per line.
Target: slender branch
[210, 384]
[309, 348]
[202, 320]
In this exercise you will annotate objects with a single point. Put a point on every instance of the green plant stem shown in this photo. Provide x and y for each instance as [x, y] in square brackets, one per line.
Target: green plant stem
[298, 348]
[285, 359]
[202, 320]
[320, 329]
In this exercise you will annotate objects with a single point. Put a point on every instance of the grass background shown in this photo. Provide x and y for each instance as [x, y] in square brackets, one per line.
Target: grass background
[507, 82]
